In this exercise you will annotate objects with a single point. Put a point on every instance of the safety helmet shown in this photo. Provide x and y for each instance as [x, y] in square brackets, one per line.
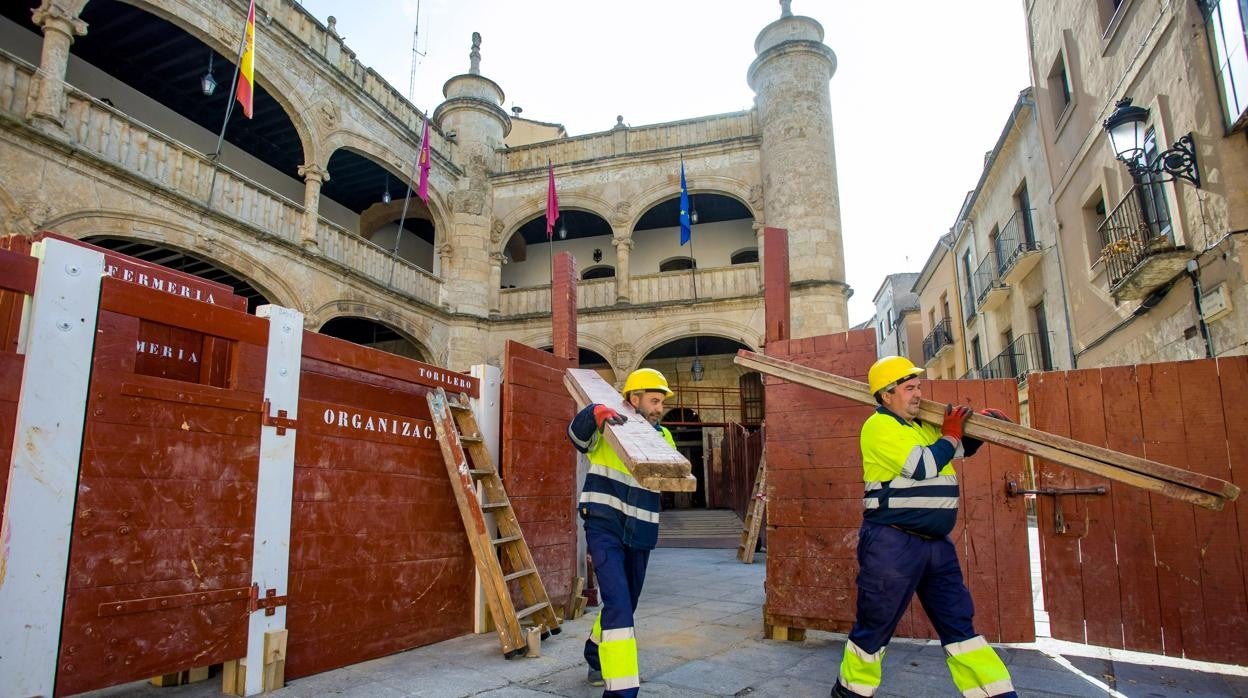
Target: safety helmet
[890, 371]
[646, 379]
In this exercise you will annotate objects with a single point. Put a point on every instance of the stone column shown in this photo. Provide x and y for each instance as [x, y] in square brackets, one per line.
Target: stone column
[47, 99]
[496, 280]
[622, 277]
[758, 227]
[798, 166]
[313, 176]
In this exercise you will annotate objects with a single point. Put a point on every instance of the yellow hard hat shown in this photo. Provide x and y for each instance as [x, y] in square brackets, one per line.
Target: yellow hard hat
[890, 371]
[647, 379]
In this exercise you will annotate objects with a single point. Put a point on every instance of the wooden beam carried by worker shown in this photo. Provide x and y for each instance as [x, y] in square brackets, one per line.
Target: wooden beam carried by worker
[656, 465]
[1194, 488]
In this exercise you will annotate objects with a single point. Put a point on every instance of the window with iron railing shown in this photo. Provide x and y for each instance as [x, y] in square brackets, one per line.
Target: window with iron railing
[1015, 239]
[986, 276]
[940, 337]
[1137, 227]
[1021, 356]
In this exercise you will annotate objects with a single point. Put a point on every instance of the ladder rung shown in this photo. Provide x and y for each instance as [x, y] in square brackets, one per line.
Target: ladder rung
[533, 609]
[471, 438]
[517, 575]
[495, 505]
[480, 472]
[506, 539]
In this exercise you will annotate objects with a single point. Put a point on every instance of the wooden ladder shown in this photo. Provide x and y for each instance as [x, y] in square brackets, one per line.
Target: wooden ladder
[500, 560]
[754, 514]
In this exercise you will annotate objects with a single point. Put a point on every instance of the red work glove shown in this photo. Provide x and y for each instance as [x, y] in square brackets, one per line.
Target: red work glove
[605, 415]
[995, 414]
[955, 417]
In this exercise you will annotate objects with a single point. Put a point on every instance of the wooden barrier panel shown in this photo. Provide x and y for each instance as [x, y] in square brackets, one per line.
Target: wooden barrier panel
[539, 463]
[160, 562]
[1135, 570]
[814, 489]
[17, 281]
[379, 559]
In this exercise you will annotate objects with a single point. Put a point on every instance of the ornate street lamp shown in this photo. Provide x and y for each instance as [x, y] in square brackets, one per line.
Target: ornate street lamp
[385, 196]
[1127, 128]
[696, 370]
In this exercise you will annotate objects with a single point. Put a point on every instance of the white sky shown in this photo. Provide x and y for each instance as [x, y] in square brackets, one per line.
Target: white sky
[921, 91]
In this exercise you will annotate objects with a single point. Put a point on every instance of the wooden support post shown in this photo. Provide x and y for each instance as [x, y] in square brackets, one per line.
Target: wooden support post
[274, 659]
[1194, 488]
[655, 464]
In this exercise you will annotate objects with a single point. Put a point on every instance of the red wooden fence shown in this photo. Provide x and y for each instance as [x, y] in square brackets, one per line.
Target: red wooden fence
[539, 463]
[1140, 571]
[814, 485]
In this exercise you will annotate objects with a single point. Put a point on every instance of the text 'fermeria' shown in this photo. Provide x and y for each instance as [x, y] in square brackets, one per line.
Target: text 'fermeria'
[155, 282]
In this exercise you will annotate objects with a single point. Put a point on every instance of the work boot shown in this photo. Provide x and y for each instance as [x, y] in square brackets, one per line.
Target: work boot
[594, 677]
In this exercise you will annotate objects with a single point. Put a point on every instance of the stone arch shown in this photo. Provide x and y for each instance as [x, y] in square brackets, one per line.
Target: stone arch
[206, 245]
[543, 338]
[277, 83]
[712, 327]
[400, 169]
[706, 184]
[409, 328]
[569, 201]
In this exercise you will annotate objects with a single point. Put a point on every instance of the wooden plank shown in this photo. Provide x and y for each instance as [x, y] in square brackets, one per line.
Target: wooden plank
[1009, 528]
[1133, 517]
[1063, 591]
[977, 518]
[652, 461]
[1225, 607]
[1094, 515]
[1174, 533]
[1194, 488]
[1233, 372]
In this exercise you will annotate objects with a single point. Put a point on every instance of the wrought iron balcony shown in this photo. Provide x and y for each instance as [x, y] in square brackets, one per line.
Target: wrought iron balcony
[1017, 249]
[1138, 244]
[1027, 353]
[991, 291]
[938, 341]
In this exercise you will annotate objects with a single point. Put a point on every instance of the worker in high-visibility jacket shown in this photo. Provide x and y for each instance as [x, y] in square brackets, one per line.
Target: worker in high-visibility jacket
[911, 505]
[621, 520]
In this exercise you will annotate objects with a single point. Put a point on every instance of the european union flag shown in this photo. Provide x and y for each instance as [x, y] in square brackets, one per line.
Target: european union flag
[686, 228]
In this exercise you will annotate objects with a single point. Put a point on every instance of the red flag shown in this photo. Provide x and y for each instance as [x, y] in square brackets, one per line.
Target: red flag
[423, 189]
[552, 203]
[246, 66]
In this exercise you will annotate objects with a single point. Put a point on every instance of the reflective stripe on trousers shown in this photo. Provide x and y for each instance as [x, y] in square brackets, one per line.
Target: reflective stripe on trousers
[612, 645]
[892, 566]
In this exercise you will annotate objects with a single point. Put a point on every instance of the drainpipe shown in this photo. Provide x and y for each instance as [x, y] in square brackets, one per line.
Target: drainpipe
[1061, 278]
[1193, 273]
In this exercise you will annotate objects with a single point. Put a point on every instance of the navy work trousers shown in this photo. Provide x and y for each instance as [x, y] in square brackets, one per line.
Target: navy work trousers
[894, 565]
[620, 571]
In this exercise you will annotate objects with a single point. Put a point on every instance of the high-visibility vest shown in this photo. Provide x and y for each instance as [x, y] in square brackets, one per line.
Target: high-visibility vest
[613, 501]
[909, 475]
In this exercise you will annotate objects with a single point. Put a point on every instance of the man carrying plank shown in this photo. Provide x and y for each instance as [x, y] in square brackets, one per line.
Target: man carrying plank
[621, 520]
[911, 505]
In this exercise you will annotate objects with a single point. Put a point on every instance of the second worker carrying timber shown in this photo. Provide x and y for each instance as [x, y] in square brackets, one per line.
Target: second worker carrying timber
[621, 520]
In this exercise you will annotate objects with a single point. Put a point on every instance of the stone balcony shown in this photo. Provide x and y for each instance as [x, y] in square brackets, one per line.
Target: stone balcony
[109, 139]
[719, 283]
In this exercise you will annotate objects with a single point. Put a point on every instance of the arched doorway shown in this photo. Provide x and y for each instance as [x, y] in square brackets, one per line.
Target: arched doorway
[686, 428]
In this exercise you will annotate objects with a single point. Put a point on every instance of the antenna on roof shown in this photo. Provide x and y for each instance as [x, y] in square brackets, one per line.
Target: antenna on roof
[417, 54]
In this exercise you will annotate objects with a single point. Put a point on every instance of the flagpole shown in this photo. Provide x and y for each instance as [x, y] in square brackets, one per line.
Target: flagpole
[693, 257]
[407, 198]
[229, 108]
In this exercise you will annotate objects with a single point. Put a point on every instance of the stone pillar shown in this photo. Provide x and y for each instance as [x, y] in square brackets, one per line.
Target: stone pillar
[759, 227]
[313, 176]
[47, 99]
[798, 165]
[623, 279]
[496, 280]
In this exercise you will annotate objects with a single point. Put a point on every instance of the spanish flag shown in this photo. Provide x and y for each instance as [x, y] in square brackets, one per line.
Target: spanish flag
[246, 66]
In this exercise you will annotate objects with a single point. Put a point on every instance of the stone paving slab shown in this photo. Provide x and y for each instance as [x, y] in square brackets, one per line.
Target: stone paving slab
[700, 633]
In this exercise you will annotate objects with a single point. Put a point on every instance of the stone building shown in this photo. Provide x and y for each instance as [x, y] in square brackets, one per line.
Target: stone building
[1144, 253]
[1007, 263]
[898, 330]
[108, 133]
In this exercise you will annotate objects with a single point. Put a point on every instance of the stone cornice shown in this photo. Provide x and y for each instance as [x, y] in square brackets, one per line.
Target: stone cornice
[787, 48]
[587, 165]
